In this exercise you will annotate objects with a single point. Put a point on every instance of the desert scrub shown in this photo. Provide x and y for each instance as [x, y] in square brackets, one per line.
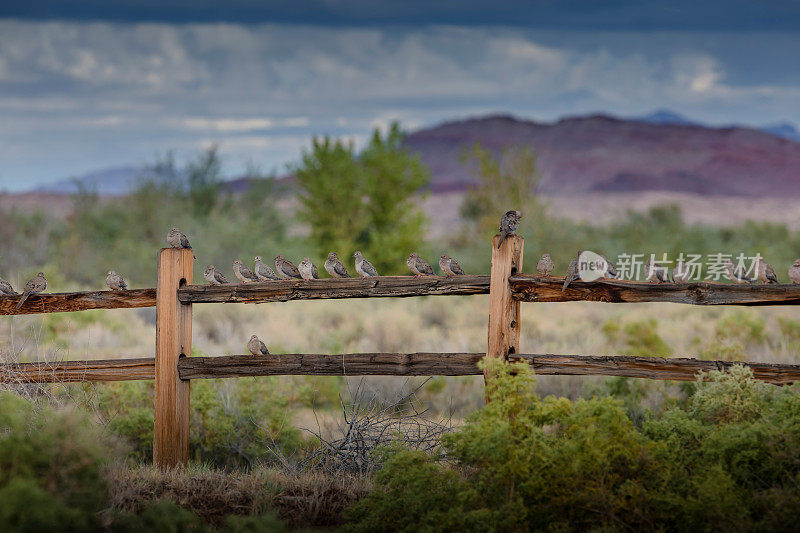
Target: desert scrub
[725, 459]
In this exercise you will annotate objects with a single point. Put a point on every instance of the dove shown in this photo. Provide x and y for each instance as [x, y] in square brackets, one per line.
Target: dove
[286, 269]
[115, 282]
[335, 267]
[545, 265]
[364, 267]
[765, 272]
[680, 274]
[418, 265]
[214, 276]
[736, 274]
[508, 225]
[794, 271]
[35, 285]
[6, 289]
[263, 271]
[450, 266]
[176, 239]
[572, 272]
[307, 269]
[243, 273]
[611, 270]
[257, 347]
[654, 272]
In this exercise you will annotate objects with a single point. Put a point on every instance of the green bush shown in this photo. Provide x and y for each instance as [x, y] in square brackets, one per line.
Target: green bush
[729, 459]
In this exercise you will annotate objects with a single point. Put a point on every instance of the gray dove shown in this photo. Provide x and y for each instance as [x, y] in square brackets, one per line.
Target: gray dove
[680, 274]
[176, 239]
[214, 276]
[450, 266]
[243, 273]
[364, 267]
[418, 265]
[545, 265]
[6, 289]
[307, 269]
[765, 272]
[794, 271]
[736, 274]
[286, 269]
[35, 285]
[115, 281]
[257, 347]
[654, 273]
[263, 271]
[508, 225]
[335, 267]
[573, 272]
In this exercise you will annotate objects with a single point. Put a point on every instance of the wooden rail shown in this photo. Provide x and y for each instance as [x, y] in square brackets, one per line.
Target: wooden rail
[63, 302]
[466, 364]
[527, 288]
[77, 371]
[330, 288]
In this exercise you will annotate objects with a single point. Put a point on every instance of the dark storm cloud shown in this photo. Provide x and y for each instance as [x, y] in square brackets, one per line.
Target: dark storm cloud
[783, 15]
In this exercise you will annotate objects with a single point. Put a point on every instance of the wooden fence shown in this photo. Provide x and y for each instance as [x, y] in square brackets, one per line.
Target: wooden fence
[173, 369]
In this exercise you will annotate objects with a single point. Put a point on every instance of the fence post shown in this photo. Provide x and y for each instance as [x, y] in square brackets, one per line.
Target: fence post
[173, 340]
[504, 316]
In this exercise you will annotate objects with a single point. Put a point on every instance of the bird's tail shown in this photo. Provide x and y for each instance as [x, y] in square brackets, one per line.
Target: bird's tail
[567, 281]
[502, 236]
[22, 300]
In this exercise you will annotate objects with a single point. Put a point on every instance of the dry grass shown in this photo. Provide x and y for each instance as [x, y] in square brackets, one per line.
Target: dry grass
[311, 499]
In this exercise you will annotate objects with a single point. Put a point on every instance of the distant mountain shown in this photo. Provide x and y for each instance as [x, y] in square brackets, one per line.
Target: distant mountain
[665, 116]
[110, 181]
[603, 153]
[784, 130]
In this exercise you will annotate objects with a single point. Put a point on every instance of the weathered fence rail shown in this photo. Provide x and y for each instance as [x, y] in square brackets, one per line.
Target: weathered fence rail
[173, 370]
[384, 364]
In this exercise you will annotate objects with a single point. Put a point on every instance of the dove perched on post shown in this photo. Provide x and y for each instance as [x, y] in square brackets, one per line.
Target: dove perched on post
[35, 285]
[243, 273]
[364, 267]
[307, 269]
[794, 271]
[765, 272]
[176, 239]
[545, 265]
[257, 347]
[450, 266]
[335, 267]
[286, 269]
[115, 282]
[263, 271]
[654, 273]
[680, 274]
[508, 225]
[736, 274]
[214, 276]
[418, 265]
[6, 289]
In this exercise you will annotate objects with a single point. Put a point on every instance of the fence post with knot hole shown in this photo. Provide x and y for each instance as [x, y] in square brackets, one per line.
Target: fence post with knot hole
[173, 341]
[504, 316]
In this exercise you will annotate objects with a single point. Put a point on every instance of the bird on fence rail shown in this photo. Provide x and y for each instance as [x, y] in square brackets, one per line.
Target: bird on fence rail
[6, 289]
[418, 265]
[681, 273]
[257, 347]
[765, 272]
[35, 285]
[176, 239]
[335, 267]
[508, 225]
[573, 272]
[263, 271]
[654, 272]
[115, 282]
[794, 272]
[214, 276]
[286, 269]
[243, 273]
[545, 265]
[450, 266]
[736, 274]
[307, 269]
[364, 267]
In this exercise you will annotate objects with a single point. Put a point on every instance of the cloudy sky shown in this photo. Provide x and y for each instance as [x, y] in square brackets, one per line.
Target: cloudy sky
[117, 83]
